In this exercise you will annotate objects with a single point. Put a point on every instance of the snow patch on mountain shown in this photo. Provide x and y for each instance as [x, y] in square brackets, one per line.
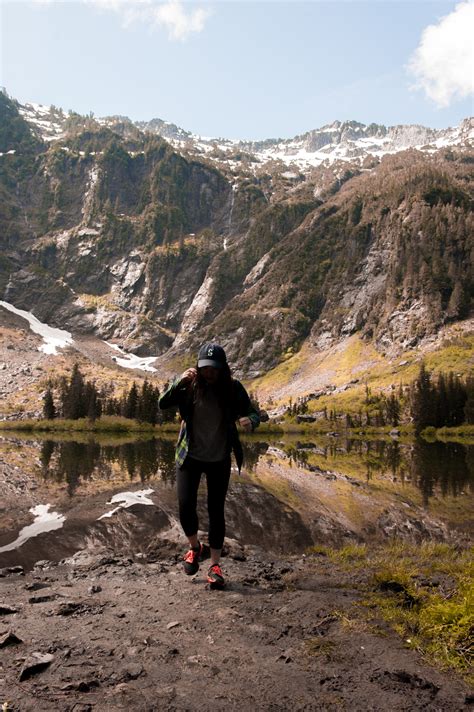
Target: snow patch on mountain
[127, 360]
[53, 338]
[47, 120]
[347, 141]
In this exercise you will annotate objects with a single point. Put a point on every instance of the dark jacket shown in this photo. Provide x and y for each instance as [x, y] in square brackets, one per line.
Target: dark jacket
[182, 396]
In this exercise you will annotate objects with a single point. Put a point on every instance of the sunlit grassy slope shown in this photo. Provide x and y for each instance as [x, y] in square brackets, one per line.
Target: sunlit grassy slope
[358, 365]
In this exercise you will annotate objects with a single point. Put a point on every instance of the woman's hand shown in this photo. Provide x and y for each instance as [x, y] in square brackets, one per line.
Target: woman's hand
[188, 376]
[245, 424]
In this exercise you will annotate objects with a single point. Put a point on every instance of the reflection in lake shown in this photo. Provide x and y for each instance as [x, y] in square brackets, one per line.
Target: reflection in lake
[446, 466]
[73, 462]
[295, 492]
[446, 469]
[434, 468]
[44, 521]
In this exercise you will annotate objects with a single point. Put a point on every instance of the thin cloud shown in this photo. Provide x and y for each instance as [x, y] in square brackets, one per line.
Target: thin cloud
[179, 19]
[179, 23]
[443, 62]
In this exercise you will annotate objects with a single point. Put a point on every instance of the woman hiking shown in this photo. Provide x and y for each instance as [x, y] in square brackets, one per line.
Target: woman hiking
[211, 404]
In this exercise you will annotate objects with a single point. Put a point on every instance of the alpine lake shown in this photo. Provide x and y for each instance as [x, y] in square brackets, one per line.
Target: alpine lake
[65, 494]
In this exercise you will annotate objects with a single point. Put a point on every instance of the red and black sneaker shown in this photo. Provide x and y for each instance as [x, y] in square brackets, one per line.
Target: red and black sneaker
[214, 577]
[191, 560]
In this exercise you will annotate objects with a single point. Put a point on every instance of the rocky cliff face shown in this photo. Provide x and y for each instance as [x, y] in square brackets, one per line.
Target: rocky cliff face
[115, 232]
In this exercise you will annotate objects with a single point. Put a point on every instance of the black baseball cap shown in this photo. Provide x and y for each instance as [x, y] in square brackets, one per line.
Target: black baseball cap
[212, 355]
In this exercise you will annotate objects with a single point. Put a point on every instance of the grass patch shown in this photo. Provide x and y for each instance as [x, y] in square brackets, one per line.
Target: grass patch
[316, 647]
[319, 550]
[108, 423]
[463, 434]
[282, 373]
[351, 554]
[424, 592]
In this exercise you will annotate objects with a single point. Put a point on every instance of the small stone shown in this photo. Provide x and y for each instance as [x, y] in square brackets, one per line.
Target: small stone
[132, 671]
[9, 639]
[35, 664]
[42, 599]
[164, 691]
[87, 685]
[173, 624]
[35, 586]
[68, 608]
[9, 570]
[94, 589]
[43, 564]
[7, 610]
[194, 659]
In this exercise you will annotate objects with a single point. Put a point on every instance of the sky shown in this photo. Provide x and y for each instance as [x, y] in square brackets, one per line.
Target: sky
[247, 70]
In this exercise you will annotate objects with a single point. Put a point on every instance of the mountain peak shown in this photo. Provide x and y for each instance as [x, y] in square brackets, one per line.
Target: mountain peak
[348, 140]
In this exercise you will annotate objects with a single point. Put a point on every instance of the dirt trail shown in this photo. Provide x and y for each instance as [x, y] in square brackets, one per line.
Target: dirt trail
[139, 635]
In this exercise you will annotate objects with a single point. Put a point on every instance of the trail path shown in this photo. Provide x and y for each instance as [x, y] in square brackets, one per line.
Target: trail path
[140, 635]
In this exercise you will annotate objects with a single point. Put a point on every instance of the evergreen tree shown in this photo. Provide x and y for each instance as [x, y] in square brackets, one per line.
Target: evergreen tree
[111, 406]
[422, 411]
[147, 404]
[74, 402]
[469, 404]
[92, 403]
[441, 402]
[392, 410]
[49, 409]
[456, 400]
[131, 402]
[458, 302]
[63, 389]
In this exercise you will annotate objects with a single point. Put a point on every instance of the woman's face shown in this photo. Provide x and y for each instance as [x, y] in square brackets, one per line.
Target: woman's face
[210, 374]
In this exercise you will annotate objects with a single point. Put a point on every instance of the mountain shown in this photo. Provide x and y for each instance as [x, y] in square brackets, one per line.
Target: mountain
[107, 227]
[340, 141]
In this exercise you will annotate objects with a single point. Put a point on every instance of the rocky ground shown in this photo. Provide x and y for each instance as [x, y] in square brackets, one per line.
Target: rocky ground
[103, 632]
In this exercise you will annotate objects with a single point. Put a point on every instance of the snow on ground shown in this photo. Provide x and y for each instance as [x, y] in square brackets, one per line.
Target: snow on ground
[126, 499]
[45, 120]
[53, 338]
[45, 521]
[131, 360]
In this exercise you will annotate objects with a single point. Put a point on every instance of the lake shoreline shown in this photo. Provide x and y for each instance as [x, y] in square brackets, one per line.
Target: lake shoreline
[115, 424]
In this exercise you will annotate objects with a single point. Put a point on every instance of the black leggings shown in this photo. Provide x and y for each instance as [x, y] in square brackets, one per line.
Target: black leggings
[188, 477]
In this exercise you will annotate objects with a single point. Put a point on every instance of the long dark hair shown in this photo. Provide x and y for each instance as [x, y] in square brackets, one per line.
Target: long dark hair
[224, 386]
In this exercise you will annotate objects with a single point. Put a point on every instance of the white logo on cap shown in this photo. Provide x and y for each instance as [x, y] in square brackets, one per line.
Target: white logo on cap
[210, 351]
